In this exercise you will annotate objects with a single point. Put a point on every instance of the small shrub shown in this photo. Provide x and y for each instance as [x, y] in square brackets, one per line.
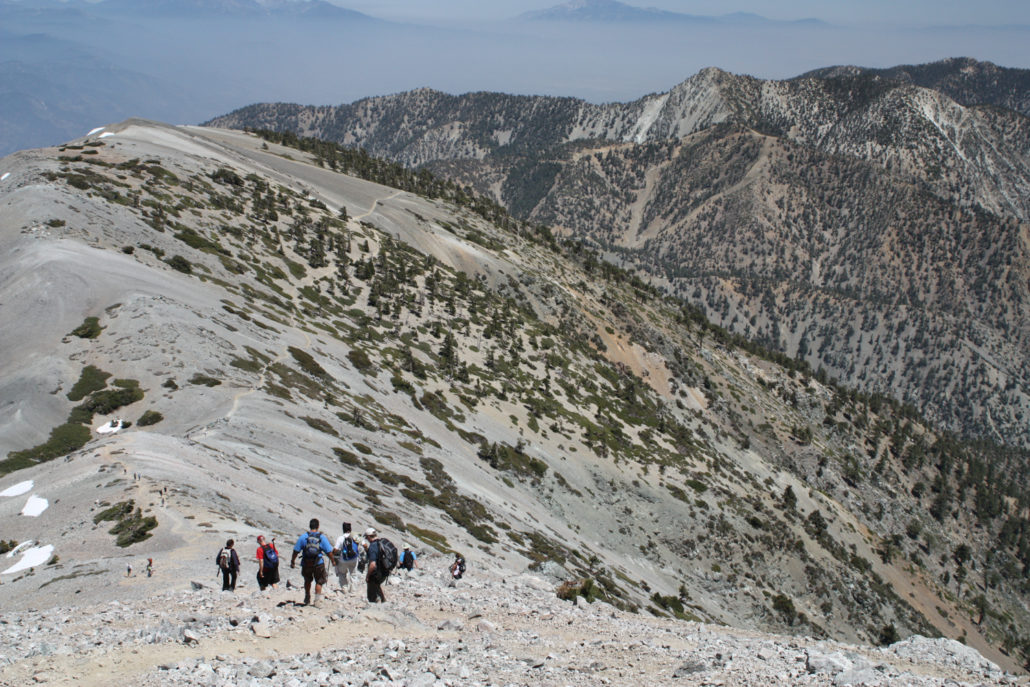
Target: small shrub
[307, 363]
[585, 587]
[90, 379]
[170, 384]
[204, 380]
[360, 360]
[321, 425]
[89, 329]
[346, 457]
[363, 449]
[151, 417]
[179, 263]
[785, 607]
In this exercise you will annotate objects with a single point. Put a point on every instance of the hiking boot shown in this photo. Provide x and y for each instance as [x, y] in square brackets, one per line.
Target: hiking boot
[318, 601]
[307, 599]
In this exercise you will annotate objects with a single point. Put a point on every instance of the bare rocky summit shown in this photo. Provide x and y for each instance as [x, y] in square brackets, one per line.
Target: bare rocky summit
[488, 629]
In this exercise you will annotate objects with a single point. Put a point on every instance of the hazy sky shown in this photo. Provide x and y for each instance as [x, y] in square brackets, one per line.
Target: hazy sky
[892, 12]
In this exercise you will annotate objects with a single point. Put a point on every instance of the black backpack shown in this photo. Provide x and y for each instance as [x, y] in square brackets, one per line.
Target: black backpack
[387, 559]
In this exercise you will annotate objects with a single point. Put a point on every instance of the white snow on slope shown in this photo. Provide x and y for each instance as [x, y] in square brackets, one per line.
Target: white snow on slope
[109, 427]
[93, 131]
[31, 558]
[34, 506]
[18, 489]
[6, 174]
[106, 134]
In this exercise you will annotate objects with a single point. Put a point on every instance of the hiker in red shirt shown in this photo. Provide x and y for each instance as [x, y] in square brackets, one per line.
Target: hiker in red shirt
[268, 563]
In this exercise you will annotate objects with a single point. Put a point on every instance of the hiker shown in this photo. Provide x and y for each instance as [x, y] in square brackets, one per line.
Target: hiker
[378, 569]
[457, 567]
[268, 563]
[150, 567]
[229, 564]
[313, 544]
[346, 553]
[408, 558]
[128, 569]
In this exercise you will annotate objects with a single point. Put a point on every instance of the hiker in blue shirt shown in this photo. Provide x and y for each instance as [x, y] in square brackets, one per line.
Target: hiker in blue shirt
[408, 558]
[312, 545]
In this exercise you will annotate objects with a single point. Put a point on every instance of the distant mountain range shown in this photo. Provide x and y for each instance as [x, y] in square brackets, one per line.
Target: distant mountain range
[873, 227]
[311, 9]
[614, 11]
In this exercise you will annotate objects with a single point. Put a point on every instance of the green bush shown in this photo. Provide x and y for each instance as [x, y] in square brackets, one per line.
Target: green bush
[89, 329]
[90, 379]
[205, 380]
[307, 363]
[785, 607]
[177, 262]
[321, 425]
[360, 360]
[105, 402]
[63, 440]
[151, 417]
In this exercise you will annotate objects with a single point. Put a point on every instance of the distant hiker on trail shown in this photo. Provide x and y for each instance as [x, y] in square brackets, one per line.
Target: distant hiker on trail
[150, 567]
[312, 544]
[408, 558]
[346, 553]
[229, 564]
[457, 567]
[382, 559]
[128, 569]
[268, 563]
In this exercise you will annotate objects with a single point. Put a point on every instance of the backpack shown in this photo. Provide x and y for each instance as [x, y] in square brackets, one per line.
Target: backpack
[408, 560]
[350, 549]
[271, 557]
[224, 559]
[387, 559]
[313, 549]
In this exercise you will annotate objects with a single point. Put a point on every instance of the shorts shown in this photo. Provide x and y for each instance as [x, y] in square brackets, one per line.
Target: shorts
[314, 572]
[271, 576]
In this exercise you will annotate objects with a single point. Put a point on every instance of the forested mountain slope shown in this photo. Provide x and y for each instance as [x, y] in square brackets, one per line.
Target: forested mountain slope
[874, 227]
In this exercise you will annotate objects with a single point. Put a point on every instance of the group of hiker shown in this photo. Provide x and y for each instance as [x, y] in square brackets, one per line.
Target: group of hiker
[374, 556]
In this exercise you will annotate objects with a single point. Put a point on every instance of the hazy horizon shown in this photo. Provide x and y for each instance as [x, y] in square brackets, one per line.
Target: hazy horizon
[64, 70]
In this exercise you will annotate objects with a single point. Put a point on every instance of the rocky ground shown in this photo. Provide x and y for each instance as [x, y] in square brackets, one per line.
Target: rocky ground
[489, 629]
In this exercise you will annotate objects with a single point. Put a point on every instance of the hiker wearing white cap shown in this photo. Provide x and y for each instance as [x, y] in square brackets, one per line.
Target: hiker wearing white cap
[382, 559]
[407, 558]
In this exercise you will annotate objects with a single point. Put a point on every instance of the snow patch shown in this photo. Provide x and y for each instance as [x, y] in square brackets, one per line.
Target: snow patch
[106, 134]
[109, 427]
[97, 130]
[34, 506]
[18, 489]
[31, 558]
[6, 174]
[17, 549]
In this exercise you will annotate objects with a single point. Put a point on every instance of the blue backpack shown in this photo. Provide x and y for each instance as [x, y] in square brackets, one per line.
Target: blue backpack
[271, 557]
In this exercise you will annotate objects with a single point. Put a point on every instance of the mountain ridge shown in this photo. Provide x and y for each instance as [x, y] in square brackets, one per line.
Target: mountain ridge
[718, 158]
[306, 341]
